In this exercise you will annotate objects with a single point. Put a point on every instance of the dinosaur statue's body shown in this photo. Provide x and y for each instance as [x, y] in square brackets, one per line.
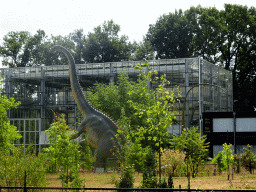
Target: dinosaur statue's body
[99, 128]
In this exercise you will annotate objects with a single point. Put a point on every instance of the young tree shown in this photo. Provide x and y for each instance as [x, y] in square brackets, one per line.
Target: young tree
[149, 111]
[8, 133]
[63, 152]
[248, 159]
[225, 158]
[193, 144]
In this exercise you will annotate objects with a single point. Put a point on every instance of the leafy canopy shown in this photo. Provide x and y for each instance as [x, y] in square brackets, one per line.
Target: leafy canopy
[195, 147]
[8, 132]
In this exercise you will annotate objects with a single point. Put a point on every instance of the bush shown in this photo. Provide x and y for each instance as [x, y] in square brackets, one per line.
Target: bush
[173, 162]
[149, 170]
[248, 159]
[126, 179]
[224, 159]
[238, 163]
[14, 166]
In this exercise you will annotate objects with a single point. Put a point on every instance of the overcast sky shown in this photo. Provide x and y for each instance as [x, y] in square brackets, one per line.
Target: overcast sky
[63, 17]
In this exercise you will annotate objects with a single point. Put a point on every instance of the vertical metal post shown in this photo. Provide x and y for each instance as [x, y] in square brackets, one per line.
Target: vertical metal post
[54, 96]
[42, 98]
[149, 83]
[211, 90]
[226, 82]
[219, 95]
[66, 91]
[8, 87]
[186, 91]
[200, 94]
[111, 75]
[234, 119]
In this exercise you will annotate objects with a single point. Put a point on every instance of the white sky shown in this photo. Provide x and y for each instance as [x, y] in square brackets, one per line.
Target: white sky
[65, 16]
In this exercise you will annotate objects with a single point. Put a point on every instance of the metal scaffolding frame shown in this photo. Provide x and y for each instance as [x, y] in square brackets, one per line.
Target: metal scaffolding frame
[43, 90]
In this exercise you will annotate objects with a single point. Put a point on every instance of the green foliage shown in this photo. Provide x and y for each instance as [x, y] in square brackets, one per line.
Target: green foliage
[225, 37]
[87, 157]
[149, 170]
[14, 166]
[219, 161]
[170, 181]
[248, 159]
[125, 153]
[8, 133]
[224, 159]
[195, 147]
[169, 36]
[104, 45]
[173, 162]
[63, 153]
[21, 49]
[157, 117]
[237, 159]
[113, 98]
[126, 179]
[143, 51]
[148, 113]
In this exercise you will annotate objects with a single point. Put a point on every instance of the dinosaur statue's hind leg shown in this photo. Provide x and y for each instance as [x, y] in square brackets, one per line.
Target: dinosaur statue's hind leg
[104, 150]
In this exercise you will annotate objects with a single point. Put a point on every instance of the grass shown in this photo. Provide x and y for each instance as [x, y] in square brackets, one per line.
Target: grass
[240, 181]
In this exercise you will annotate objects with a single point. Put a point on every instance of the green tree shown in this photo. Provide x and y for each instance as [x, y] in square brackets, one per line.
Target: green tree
[12, 47]
[22, 161]
[143, 50]
[248, 159]
[79, 39]
[171, 36]
[8, 132]
[21, 49]
[225, 37]
[122, 95]
[104, 45]
[149, 111]
[205, 25]
[225, 158]
[63, 153]
[193, 144]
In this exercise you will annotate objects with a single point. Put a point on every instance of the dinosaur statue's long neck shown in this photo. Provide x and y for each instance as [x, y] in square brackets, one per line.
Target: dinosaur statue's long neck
[80, 99]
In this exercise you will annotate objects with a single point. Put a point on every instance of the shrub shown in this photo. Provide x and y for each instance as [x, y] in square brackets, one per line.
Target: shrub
[173, 162]
[149, 170]
[248, 159]
[224, 159]
[127, 179]
[13, 168]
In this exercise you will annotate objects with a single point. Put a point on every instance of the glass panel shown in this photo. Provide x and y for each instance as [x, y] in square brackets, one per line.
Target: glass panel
[223, 125]
[245, 124]
[21, 125]
[32, 125]
[26, 137]
[21, 141]
[27, 125]
[37, 125]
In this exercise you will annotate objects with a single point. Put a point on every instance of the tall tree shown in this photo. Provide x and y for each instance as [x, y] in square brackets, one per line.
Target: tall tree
[79, 39]
[205, 25]
[237, 49]
[8, 133]
[170, 36]
[104, 45]
[21, 49]
[144, 50]
[12, 47]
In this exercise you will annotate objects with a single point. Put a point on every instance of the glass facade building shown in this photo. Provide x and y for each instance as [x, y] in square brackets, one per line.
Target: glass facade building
[45, 90]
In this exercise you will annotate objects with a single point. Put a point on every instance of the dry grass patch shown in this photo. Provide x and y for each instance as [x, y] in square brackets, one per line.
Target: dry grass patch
[240, 181]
